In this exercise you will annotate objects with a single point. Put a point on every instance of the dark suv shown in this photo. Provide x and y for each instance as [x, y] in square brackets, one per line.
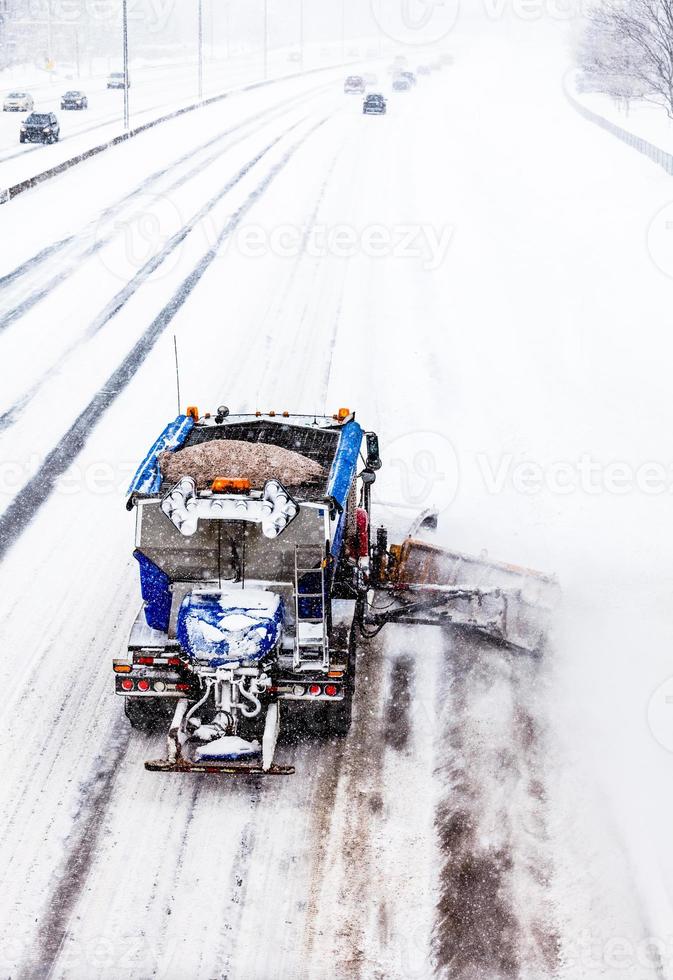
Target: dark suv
[374, 105]
[40, 127]
[74, 100]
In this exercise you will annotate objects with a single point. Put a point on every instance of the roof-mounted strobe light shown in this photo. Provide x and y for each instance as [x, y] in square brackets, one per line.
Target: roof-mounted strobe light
[223, 484]
[222, 413]
[192, 412]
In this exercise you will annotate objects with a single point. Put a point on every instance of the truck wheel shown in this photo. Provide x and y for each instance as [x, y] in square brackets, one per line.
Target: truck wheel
[146, 714]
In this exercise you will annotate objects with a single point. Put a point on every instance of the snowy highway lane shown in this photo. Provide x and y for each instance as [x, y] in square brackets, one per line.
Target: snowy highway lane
[469, 826]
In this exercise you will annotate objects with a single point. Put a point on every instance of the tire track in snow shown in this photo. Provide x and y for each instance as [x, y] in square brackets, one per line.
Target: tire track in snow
[72, 705]
[397, 715]
[121, 298]
[32, 497]
[363, 793]
[494, 915]
[112, 212]
[237, 890]
[95, 795]
[279, 303]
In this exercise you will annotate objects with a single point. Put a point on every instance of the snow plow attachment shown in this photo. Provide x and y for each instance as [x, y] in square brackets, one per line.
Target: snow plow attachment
[433, 586]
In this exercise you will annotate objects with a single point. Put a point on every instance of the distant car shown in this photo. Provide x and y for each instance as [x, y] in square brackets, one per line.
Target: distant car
[74, 100]
[374, 105]
[40, 127]
[116, 80]
[410, 76]
[401, 83]
[354, 83]
[18, 102]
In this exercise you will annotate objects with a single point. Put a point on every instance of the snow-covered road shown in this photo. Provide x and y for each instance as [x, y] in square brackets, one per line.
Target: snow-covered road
[470, 273]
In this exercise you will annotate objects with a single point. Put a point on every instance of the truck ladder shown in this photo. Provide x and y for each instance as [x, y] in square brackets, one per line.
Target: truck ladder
[311, 649]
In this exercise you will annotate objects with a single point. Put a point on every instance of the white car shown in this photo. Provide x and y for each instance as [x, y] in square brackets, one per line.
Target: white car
[116, 80]
[18, 102]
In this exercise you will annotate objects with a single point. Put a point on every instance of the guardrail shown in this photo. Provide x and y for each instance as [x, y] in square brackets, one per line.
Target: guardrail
[654, 153]
[8, 193]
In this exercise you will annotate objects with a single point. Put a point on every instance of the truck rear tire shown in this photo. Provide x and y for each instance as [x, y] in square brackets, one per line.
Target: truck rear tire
[147, 714]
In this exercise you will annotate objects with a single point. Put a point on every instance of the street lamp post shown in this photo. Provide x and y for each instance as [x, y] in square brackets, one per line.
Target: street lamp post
[49, 40]
[301, 35]
[125, 44]
[343, 31]
[266, 39]
[200, 50]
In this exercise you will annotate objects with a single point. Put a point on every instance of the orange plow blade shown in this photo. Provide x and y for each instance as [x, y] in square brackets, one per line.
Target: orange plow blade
[508, 603]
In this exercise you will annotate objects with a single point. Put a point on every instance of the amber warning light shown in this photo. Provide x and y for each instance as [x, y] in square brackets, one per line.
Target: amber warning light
[222, 484]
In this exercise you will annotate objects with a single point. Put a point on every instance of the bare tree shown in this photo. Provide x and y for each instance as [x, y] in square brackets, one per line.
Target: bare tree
[627, 50]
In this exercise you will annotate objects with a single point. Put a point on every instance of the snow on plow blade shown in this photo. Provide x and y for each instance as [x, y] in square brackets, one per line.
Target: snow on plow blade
[510, 604]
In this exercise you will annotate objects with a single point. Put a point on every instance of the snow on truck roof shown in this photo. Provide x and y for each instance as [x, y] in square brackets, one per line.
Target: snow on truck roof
[316, 455]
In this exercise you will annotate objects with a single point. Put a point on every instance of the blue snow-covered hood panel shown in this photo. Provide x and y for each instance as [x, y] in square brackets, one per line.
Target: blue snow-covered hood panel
[217, 628]
[148, 476]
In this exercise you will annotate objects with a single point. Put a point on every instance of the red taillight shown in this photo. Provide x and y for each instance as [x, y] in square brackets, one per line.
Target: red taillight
[182, 687]
[145, 661]
[127, 684]
[331, 690]
[314, 689]
[143, 685]
[173, 661]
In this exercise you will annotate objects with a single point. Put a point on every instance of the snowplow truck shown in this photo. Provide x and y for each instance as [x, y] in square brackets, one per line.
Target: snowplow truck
[260, 570]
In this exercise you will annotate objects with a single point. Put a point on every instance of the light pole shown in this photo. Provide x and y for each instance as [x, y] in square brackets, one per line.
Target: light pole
[49, 38]
[343, 31]
[266, 39]
[125, 45]
[200, 29]
[301, 35]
